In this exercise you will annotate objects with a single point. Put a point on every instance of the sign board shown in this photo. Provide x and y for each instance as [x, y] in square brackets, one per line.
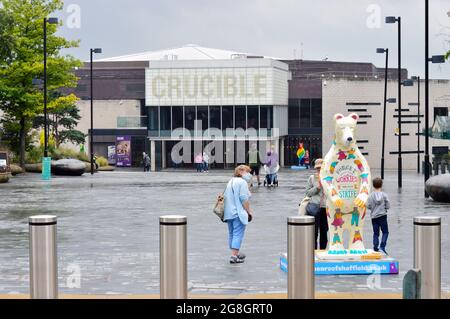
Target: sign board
[123, 151]
[217, 82]
[388, 266]
[112, 155]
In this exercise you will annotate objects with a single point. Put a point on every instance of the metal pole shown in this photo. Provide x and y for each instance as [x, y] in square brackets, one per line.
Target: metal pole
[427, 254]
[301, 257]
[43, 257]
[384, 113]
[92, 117]
[45, 90]
[427, 146]
[399, 102]
[418, 124]
[173, 257]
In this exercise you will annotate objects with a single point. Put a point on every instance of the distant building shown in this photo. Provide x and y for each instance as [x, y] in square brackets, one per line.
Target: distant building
[286, 102]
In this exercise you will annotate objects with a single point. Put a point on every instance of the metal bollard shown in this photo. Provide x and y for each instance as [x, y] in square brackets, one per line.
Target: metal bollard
[301, 257]
[173, 257]
[43, 257]
[427, 254]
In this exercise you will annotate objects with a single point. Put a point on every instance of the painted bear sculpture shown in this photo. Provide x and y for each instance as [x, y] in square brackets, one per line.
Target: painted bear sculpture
[346, 180]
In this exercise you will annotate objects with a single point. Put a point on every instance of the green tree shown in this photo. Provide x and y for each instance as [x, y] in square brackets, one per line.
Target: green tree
[62, 122]
[20, 100]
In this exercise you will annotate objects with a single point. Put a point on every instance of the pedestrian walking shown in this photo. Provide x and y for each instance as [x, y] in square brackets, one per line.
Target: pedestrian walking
[317, 206]
[378, 204]
[237, 211]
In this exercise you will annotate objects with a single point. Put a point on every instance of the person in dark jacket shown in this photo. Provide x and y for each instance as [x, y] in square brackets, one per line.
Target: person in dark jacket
[254, 162]
[314, 190]
[146, 160]
[378, 204]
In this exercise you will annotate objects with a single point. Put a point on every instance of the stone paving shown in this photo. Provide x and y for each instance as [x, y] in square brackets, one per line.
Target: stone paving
[108, 232]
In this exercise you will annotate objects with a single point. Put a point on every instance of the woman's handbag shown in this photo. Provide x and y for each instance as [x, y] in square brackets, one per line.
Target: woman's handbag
[312, 209]
[219, 207]
[302, 206]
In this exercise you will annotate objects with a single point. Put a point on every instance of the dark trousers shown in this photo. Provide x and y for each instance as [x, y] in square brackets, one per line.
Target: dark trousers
[321, 228]
[380, 223]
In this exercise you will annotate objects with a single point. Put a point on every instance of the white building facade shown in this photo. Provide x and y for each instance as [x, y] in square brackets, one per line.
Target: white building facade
[365, 97]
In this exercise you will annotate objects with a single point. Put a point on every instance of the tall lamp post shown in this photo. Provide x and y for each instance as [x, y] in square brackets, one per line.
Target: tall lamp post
[91, 146]
[381, 50]
[46, 161]
[434, 59]
[417, 78]
[399, 22]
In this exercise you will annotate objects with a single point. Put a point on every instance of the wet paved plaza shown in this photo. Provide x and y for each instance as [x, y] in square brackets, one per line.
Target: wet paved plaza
[108, 232]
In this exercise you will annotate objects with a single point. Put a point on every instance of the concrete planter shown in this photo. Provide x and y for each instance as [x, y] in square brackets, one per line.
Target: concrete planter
[68, 167]
[16, 170]
[4, 178]
[438, 187]
[33, 168]
[106, 169]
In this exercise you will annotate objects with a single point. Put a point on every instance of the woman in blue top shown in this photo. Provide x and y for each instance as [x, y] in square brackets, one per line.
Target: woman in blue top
[237, 212]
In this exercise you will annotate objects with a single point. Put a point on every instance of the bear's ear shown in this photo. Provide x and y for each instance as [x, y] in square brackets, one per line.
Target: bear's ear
[354, 116]
[338, 116]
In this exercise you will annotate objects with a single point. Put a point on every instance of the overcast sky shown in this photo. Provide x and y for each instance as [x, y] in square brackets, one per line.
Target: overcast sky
[344, 30]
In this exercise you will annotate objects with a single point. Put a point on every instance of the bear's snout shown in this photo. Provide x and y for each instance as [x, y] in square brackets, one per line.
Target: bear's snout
[350, 139]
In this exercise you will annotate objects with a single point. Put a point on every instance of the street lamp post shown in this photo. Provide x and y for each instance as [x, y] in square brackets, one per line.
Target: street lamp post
[46, 166]
[417, 78]
[434, 59]
[398, 20]
[381, 50]
[91, 146]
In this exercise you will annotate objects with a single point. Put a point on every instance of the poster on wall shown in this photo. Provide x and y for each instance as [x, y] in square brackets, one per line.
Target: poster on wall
[112, 155]
[123, 151]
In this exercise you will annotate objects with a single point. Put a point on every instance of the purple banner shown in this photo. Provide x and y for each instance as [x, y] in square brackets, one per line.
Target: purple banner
[123, 151]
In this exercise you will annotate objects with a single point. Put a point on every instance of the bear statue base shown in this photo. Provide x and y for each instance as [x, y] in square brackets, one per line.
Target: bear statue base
[385, 265]
[347, 254]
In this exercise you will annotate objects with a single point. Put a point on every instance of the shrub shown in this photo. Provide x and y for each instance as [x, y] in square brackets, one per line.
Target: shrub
[101, 161]
[34, 155]
[83, 157]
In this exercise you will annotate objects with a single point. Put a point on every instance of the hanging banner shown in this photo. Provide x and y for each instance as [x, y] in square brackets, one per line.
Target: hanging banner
[123, 151]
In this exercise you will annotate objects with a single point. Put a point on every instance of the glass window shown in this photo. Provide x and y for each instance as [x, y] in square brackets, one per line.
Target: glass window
[177, 117]
[214, 117]
[316, 117]
[165, 120]
[253, 117]
[227, 117]
[305, 113]
[240, 117]
[202, 115]
[189, 117]
[266, 117]
[294, 113]
[153, 119]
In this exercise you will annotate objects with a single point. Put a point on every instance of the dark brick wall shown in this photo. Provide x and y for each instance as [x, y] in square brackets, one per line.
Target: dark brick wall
[112, 81]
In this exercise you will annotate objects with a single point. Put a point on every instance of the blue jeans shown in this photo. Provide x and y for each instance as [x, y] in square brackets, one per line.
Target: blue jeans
[271, 178]
[236, 232]
[380, 223]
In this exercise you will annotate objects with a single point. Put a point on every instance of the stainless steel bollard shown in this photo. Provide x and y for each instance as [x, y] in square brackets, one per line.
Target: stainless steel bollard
[427, 254]
[301, 257]
[173, 257]
[43, 257]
